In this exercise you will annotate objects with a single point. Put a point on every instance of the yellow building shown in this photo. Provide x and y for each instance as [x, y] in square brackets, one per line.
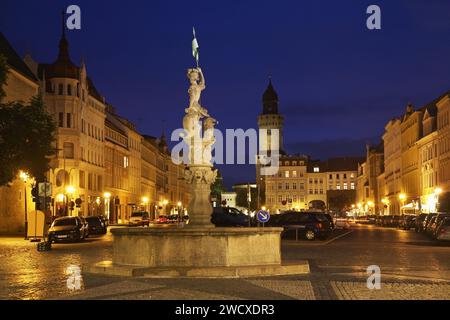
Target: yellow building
[443, 140]
[392, 167]
[21, 84]
[411, 130]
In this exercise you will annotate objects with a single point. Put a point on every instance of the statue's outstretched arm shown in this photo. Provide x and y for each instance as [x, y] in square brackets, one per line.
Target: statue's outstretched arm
[202, 78]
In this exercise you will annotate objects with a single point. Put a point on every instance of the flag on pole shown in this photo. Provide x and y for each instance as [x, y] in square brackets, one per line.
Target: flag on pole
[195, 46]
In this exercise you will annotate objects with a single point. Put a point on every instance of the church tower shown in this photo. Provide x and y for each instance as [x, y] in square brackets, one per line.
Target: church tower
[270, 119]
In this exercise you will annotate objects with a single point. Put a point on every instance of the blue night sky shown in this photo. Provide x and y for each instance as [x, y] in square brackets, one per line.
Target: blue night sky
[338, 82]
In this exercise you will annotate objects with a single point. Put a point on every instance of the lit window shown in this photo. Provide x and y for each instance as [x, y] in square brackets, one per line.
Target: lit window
[316, 169]
[338, 187]
[345, 186]
[125, 162]
[294, 174]
[286, 174]
[352, 185]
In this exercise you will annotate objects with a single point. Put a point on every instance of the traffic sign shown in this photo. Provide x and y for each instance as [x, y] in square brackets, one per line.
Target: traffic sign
[263, 216]
[45, 189]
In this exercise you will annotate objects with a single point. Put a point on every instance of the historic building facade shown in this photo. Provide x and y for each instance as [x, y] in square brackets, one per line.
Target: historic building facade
[300, 182]
[102, 165]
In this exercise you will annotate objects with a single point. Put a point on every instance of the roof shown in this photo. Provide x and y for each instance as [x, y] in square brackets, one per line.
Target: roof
[13, 59]
[335, 164]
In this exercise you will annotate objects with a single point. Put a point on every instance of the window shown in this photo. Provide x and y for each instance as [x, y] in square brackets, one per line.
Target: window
[69, 120]
[345, 186]
[125, 162]
[331, 176]
[68, 150]
[82, 179]
[294, 186]
[337, 175]
[287, 186]
[294, 174]
[60, 89]
[286, 174]
[345, 176]
[61, 119]
[69, 90]
[316, 169]
[338, 187]
[279, 186]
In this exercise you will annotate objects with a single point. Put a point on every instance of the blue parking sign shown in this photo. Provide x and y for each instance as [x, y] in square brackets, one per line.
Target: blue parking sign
[263, 216]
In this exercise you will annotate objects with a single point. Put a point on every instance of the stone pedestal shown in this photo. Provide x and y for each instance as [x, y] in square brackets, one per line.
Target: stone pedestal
[197, 252]
[188, 247]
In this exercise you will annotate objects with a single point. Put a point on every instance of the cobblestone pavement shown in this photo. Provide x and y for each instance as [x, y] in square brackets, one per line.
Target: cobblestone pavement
[412, 267]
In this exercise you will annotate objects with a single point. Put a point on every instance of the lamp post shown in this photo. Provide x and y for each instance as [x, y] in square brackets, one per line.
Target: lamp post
[402, 198]
[145, 202]
[70, 190]
[437, 192]
[107, 197]
[165, 202]
[24, 176]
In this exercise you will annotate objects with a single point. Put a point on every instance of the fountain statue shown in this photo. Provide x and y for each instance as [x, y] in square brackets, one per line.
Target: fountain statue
[199, 138]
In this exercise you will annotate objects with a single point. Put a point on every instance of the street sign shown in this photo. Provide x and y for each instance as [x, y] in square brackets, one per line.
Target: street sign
[45, 189]
[263, 216]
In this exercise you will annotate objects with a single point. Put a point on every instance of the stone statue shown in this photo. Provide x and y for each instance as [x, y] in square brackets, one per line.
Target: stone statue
[199, 137]
[197, 81]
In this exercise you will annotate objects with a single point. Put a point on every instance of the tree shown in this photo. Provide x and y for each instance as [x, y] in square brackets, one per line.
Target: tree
[26, 136]
[218, 187]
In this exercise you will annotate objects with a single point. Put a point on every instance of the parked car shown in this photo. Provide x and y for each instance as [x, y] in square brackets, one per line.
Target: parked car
[229, 217]
[140, 218]
[85, 227]
[310, 225]
[387, 221]
[330, 219]
[371, 219]
[437, 222]
[67, 229]
[96, 225]
[443, 230]
[342, 223]
[427, 220]
[431, 226]
[174, 218]
[162, 220]
[419, 222]
[407, 222]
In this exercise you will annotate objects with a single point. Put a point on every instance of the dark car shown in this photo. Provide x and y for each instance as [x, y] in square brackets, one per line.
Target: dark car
[437, 222]
[310, 225]
[330, 219]
[85, 226]
[96, 225]
[67, 229]
[427, 220]
[372, 219]
[229, 217]
[431, 225]
[407, 222]
[419, 222]
[387, 221]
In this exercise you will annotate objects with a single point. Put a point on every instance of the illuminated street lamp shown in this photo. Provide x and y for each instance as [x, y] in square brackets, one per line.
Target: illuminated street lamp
[402, 198]
[107, 195]
[145, 201]
[24, 177]
[70, 190]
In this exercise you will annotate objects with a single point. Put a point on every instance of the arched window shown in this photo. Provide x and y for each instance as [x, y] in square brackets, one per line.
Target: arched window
[60, 89]
[69, 90]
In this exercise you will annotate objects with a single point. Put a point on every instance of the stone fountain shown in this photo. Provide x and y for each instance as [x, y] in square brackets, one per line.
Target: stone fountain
[198, 249]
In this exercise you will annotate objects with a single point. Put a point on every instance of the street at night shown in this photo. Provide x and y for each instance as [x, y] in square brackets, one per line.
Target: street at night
[412, 267]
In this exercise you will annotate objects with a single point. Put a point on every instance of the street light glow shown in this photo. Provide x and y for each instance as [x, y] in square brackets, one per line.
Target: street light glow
[402, 196]
[437, 191]
[107, 195]
[70, 189]
[145, 200]
[23, 175]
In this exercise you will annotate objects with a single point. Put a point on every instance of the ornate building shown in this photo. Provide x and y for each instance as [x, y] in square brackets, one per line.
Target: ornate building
[300, 183]
[103, 165]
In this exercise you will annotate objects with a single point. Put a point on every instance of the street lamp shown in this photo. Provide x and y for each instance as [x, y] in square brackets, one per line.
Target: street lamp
[70, 190]
[145, 202]
[402, 198]
[24, 177]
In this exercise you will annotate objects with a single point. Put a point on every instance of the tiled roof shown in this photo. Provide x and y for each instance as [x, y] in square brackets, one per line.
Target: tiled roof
[13, 59]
